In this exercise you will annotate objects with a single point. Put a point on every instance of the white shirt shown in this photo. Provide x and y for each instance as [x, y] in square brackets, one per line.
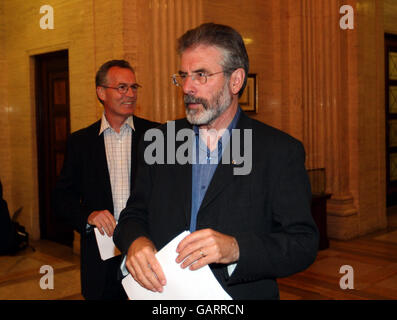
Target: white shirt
[118, 155]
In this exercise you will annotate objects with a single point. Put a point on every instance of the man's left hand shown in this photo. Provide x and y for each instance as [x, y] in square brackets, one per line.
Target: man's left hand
[206, 246]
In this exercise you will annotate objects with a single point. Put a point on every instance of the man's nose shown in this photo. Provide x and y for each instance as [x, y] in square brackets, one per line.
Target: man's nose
[189, 86]
[130, 92]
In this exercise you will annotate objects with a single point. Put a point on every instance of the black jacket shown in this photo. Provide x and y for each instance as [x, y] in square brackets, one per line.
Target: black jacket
[267, 211]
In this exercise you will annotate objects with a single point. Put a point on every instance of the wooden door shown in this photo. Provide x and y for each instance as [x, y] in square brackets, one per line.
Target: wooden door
[53, 128]
[391, 117]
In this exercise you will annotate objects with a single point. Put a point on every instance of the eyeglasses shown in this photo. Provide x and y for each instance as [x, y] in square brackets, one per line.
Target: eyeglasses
[123, 88]
[197, 77]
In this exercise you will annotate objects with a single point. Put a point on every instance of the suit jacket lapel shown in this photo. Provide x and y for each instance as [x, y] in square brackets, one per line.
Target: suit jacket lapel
[223, 176]
[101, 169]
[136, 135]
[224, 173]
[185, 171]
[183, 174]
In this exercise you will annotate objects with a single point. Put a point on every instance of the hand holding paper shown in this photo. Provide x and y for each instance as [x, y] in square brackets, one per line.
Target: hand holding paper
[207, 246]
[106, 246]
[182, 284]
[103, 220]
[142, 264]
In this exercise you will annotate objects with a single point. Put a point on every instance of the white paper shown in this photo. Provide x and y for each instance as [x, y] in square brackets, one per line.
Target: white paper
[182, 284]
[107, 248]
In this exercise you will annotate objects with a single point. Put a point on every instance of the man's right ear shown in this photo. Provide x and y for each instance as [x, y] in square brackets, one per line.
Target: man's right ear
[100, 91]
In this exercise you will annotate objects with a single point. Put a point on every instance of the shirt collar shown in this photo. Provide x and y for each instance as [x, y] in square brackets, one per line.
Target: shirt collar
[105, 124]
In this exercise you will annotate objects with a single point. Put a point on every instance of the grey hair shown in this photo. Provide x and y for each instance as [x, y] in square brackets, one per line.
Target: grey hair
[100, 77]
[225, 38]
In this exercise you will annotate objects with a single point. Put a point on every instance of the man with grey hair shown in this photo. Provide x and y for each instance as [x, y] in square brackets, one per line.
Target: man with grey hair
[98, 175]
[249, 228]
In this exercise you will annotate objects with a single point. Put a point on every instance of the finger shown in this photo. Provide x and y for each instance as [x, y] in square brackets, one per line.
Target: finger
[135, 271]
[193, 258]
[189, 250]
[109, 222]
[110, 219]
[193, 242]
[129, 267]
[204, 234]
[133, 274]
[100, 228]
[105, 226]
[188, 240]
[139, 276]
[98, 221]
[153, 271]
[131, 270]
[158, 271]
[146, 275]
[200, 263]
[113, 224]
[109, 229]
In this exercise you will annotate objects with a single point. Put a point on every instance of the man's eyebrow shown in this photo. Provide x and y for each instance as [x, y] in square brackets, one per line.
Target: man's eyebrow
[126, 84]
[200, 70]
[195, 71]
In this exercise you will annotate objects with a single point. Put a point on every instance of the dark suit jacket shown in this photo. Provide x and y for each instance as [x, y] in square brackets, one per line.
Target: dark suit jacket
[267, 211]
[83, 187]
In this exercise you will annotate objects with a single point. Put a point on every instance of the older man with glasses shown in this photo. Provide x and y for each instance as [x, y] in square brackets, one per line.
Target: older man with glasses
[249, 228]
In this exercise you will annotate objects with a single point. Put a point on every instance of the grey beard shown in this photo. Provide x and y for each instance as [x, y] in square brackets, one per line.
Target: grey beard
[211, 112]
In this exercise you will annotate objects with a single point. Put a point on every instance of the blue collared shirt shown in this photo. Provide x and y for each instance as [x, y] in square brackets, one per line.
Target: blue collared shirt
[204, 166]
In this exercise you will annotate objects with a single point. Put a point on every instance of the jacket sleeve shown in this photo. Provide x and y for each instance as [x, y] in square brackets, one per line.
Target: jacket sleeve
[292, 245]
[67, 192]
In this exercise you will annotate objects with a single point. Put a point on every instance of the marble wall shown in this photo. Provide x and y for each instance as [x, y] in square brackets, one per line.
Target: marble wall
[5, 162]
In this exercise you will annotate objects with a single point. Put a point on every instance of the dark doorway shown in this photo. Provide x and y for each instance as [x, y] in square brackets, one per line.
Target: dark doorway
[391, 117]
[53, 128]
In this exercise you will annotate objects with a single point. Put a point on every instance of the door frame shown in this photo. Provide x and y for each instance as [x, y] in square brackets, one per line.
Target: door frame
[43, 139]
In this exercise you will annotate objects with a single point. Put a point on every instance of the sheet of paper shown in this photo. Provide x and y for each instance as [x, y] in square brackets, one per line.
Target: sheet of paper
[107, 248]
[182, 284]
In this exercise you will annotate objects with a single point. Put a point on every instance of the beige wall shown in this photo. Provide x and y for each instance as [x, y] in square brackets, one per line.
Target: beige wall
[272, 31]
[5, 163]
[151, 29]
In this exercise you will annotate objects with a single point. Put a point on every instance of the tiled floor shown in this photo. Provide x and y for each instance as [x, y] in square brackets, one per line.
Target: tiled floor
[373, 259]
[20, 274]
[374, 262]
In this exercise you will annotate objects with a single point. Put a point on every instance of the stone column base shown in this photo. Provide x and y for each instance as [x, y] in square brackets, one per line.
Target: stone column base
[342, 219]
